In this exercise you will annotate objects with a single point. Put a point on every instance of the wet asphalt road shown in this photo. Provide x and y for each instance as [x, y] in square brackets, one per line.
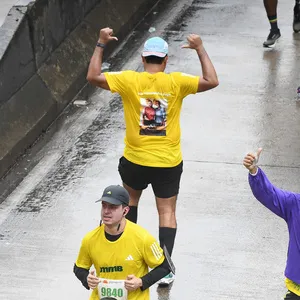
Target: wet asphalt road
[228, 246]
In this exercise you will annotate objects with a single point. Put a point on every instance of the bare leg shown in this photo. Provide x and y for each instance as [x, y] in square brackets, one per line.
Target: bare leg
[271, 10]
[133, 202]
[166, 208]
[296, 22]
[271, 7]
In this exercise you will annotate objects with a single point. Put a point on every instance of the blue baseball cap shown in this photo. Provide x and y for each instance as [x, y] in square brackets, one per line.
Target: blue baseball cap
[155, 46]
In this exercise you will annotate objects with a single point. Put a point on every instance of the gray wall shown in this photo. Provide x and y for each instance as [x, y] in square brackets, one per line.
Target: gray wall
[45, 49]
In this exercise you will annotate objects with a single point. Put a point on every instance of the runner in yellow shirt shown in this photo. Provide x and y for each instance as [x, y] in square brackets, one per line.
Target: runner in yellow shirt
[121, 253]
[152, 103]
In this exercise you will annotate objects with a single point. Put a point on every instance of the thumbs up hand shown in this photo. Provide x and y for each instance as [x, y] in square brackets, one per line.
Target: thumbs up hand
[251, 160]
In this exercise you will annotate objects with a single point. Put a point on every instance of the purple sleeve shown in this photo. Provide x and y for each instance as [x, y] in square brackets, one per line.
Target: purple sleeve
[278, 201]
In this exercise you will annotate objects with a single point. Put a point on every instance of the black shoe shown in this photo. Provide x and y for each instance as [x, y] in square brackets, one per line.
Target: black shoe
[272, 38]
[296, 23]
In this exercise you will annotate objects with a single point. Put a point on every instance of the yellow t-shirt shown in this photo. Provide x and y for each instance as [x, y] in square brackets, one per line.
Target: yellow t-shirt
[132, 254]
[292, 286]
[152, 105]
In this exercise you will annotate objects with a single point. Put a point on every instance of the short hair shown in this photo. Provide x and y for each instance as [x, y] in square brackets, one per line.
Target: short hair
[152, 59]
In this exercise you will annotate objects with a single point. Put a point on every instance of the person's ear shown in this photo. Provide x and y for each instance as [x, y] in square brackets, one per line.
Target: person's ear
[126, 211]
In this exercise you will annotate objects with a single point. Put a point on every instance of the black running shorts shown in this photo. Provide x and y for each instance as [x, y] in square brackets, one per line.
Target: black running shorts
[291, 296]
[165, 181]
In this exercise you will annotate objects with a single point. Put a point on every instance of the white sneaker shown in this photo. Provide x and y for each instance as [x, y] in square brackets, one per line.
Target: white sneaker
[167, 280]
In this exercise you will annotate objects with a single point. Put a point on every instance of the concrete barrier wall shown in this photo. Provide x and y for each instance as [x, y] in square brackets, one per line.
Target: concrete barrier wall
[45, 49]
[16, 56]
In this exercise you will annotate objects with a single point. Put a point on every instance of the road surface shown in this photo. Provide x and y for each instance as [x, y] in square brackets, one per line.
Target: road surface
[228, 246]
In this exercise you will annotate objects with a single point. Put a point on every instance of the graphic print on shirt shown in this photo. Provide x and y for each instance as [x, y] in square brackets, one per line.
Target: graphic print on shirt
[153, 117]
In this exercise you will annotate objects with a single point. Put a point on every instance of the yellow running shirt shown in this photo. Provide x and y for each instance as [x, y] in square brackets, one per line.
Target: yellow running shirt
[152, 105]
[292, 286]
[131, 254]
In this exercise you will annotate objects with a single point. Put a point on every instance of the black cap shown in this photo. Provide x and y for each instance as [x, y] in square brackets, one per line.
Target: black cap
[116, 195]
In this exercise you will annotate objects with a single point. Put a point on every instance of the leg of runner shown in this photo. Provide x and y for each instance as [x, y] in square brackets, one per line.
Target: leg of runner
[134, 176]
[166, 208]
[271, 10]
[296, 22]
[133, 203]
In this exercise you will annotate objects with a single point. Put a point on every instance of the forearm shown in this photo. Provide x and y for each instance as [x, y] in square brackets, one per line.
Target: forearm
[82, 275]
[253, 171]
[95, 65]
[154, 275]
[261, 188]
[270, 196]
[208, 71]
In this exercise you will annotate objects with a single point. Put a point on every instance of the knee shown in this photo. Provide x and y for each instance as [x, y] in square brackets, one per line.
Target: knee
[166, 211]
[133, 201]
[166, 206]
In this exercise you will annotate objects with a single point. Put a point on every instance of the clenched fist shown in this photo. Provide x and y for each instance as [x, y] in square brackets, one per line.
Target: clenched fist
[106, 35]
[194, 42]
[92, 280]
[132, 283]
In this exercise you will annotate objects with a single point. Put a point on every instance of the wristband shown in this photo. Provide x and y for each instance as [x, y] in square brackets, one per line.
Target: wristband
[101, 45]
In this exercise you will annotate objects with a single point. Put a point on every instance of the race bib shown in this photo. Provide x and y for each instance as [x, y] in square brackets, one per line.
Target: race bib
[109, 289]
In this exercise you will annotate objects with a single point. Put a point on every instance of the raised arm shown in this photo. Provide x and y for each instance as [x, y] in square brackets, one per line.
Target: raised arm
[278, 201]
[209, 79]
[94, 75]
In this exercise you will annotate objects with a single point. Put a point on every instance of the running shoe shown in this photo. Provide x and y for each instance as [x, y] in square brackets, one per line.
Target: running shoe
[296, 22]
[272, 38]
[167, 280]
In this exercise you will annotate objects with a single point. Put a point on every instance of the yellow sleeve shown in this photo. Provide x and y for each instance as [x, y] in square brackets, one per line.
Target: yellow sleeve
[153, 254]
[83, 259]
[188, 84]
[118, 81]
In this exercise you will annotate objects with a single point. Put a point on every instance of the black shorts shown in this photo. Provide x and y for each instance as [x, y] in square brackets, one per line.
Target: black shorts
[165, 181]
[291, 296]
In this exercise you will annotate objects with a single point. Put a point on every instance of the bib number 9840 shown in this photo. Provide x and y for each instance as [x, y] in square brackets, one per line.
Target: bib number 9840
[112, 289]
[108, 292]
